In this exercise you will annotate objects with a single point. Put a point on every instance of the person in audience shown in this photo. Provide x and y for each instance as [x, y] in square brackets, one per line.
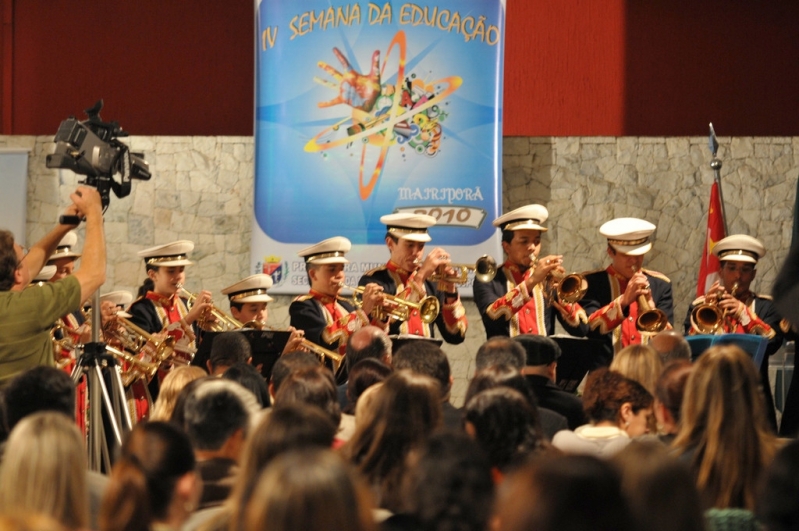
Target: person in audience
[669, 392]
[315, 386]
[540, 371]
[286, 364]
[659, 489]
[498, 351]
[548, 422]
[571, 492]
[505, 426]
[671, 345]
[368, 342]
[362, 376]
[428, 359]
[217, 418]
[249, 378]
[44, 470]
[173, 384]
[640, 363]
[617, 408]
[153, 484]
[724, 435]
[405, 411]
[311, 490]
[228, 349]
[776, 505]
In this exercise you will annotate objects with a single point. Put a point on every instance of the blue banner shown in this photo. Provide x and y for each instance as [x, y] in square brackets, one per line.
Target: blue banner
[369, 108]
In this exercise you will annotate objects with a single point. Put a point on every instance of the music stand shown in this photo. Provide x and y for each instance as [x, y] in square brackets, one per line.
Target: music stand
[266, 346]
[578, 356]
[752, 344]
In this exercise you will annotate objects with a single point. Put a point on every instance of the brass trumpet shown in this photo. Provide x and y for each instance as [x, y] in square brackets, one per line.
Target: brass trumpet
[649, 319]
[400, 309]
[485, 269]
[335, 358]
[138, 342]
[708, 318]
[136, 368]
[222, 321]
[570, 288]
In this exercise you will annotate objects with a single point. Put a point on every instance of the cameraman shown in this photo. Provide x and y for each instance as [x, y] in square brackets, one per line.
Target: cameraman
[26, 315]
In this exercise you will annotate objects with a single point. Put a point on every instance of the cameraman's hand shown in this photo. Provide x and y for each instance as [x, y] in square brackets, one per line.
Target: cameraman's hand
[86, 200]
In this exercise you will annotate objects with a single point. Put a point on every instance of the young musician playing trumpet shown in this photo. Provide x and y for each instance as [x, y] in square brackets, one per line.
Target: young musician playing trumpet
[407, 276]
[514, 302]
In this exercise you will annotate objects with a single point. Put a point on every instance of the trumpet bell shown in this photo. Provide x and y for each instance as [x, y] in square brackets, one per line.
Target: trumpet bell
[572, 288]
[485, 269]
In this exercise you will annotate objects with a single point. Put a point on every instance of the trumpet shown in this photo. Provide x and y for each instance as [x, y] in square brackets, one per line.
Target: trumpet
[139, 343]
[649, 319]
[485, 269]
[222, 321]
[335, 358]
[570, 287]
[400, 309]
[708, 317]
[136, 368]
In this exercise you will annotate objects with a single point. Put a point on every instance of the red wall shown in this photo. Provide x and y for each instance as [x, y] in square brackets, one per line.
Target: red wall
[573, 67]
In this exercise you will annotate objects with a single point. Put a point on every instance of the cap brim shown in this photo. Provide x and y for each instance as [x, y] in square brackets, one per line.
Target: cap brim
[416, 237]
[738, 258]
[632, 250]
[173, 263]
[254, 298]
[330, 260]
[74, 256]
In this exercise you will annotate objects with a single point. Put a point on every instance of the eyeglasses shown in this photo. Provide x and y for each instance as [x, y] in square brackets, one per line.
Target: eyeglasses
[742, 269]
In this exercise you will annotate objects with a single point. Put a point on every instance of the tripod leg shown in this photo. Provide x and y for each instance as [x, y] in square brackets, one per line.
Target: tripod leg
[108, 405]
[98, 448]
[119, 398]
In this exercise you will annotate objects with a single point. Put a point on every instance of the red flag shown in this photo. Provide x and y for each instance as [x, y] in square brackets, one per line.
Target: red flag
[709, 267]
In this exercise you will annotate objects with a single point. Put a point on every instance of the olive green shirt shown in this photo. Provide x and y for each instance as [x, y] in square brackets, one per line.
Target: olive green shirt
[26, 318]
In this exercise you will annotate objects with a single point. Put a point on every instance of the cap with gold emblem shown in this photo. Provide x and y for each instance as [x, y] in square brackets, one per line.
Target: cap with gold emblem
[329, 251]
[628, 235]
[66, 247]
[407, 226]
[168, 255]
[739, 248]
[530, 217]
[45, 274]
[250, 289]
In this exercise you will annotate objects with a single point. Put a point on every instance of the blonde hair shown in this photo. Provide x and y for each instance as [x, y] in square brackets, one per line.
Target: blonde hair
[724, 428]
[44, 470]
[641, 363]
[173, 384]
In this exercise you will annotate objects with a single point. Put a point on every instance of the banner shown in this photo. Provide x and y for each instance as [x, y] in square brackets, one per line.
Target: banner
[709, 267]
[369, 108]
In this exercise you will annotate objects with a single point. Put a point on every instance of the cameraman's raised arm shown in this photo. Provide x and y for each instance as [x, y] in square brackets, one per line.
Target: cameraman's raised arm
[91, 273]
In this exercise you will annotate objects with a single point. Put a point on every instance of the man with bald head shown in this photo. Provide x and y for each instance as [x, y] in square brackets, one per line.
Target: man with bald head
[368, 342]
[671, 345]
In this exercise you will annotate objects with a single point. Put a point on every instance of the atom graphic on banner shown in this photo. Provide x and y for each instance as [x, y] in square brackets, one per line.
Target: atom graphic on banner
[408, 112]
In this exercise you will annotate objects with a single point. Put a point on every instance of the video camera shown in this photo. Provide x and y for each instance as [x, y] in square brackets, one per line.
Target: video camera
[92, 148]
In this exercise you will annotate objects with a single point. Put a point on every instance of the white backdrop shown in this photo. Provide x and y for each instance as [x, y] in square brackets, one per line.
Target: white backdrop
[14, 185]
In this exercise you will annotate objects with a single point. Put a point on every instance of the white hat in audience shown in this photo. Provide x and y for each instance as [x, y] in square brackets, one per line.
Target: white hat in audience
[739, 248]
[628, 235]
[407, 226]
[168, 255]
[529, 217]
[250, 289]
[65, 247]
[329, 251]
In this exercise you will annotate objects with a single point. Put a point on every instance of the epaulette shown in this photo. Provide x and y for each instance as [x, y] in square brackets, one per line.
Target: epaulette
[301, 298]
[656, 274]
[767, 297]
[584, 273]
[698, 301]
[375, 270]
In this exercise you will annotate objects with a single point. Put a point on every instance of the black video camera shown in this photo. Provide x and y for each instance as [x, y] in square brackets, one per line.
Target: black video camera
[92, 148]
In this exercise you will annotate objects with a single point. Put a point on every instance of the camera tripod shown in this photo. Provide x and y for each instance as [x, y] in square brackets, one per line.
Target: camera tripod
[105, 405]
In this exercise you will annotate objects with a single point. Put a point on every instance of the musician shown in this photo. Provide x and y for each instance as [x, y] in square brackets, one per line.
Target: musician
[63, 260]
[744, 312]
[514, 302]
[327, 319]
[27, 315]
[611, 301]
[404, 277]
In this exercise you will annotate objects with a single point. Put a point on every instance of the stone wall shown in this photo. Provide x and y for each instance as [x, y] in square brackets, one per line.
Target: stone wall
[202, 190]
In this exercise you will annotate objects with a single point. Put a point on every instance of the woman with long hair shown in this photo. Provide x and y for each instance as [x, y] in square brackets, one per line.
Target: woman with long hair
[173, 384]
[44, 470]
[724, 435]
[641, 363]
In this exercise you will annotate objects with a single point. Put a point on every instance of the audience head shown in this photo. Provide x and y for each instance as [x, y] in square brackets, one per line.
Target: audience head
[500, 350]
[153, 480]
[288, 363]
[612, 398]
[39, 389]
[776, 507]
[501, 376]
[640, 363]
[362, 376]
[314, 386]
[312, 490]
[228, 349]
[428, 359]
[669, 392]
[368, 342]
[671, 345]
[44, 470]
[248, 377]
[171, 386]
[564, 493]
[504, 424]
[539, 350]
[724, 428]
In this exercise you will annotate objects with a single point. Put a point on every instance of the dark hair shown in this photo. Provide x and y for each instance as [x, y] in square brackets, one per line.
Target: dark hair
[451, 487]
[378, 346]
[249, 378]
[504, 376]
[364, 375]
[507, 235]
[154, 456]
[565, 493]
[288, 363]
[148, 284]
[498, 350]
[229, 348]
[8, 260]
[606, 391]
[314, 386]
[505, 425]
[178, 412]
[213, 412]
[389, 235]
[670, 386]
[424, 358]
[776, 502]
[39, 389]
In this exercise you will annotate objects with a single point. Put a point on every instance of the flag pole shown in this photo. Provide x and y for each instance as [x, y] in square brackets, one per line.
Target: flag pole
[715, 163]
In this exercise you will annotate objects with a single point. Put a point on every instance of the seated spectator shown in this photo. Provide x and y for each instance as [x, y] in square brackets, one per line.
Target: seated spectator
[362, 376]
[249, 378]
[499, 350]
[171, 386]
[724, 433]
[370, 342]
[540, 371]
[669, 391]
[44, 470]
[777, 508]
[228, 349]
[640, 363]
[671, 345]
[316, 386]
[153, 483]
[286, 364]
[617, 408]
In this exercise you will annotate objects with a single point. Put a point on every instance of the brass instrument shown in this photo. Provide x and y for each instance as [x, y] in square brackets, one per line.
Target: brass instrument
[65, 343]
[570, 288]
[141, 345]
[136, 368]
[222, 321]
[649, 319]
[398, 308]
[485, 269]
[335, 358]
[708, 317]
